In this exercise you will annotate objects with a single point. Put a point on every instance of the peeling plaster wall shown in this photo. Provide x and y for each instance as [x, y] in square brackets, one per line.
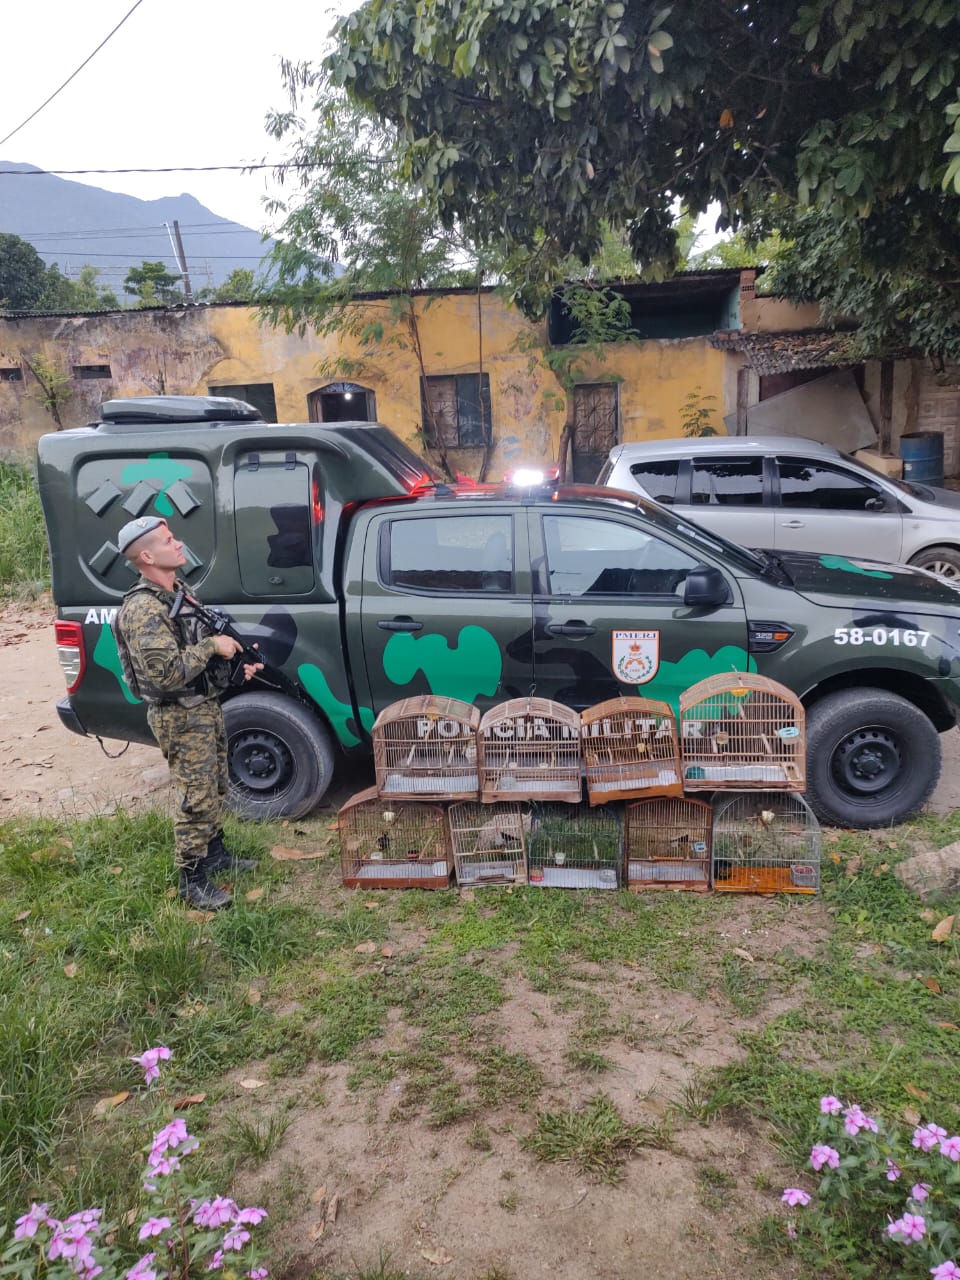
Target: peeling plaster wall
[188, 351]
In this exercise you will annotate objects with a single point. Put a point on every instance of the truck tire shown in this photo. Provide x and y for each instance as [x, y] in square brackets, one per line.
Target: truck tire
[944, 561]
[279, 756]
[873, 758]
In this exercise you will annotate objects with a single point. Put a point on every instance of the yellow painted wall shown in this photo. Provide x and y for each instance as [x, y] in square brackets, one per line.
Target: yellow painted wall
[188, 351]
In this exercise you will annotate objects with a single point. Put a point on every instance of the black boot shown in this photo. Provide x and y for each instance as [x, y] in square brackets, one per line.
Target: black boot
[219, 858]
[197, 891]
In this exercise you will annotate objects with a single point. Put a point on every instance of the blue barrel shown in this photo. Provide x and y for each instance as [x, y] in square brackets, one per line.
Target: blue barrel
[922, 454]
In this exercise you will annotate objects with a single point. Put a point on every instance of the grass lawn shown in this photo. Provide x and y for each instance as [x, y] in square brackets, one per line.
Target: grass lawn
[497, 1040]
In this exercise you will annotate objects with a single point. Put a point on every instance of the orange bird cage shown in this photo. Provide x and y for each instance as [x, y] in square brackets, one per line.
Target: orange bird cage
[530, 750]
[740, 731]
[765, 842]
[393, 844]
[630, 748]
[489, 843]
[667, 844]
[426, 747]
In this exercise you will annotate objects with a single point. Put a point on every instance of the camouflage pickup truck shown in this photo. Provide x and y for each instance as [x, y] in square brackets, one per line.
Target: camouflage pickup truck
[364, 579]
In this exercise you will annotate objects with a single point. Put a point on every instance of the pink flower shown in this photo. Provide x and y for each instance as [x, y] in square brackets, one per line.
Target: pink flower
[261, 1273]
[791, 1231]
[73, 1240]
[919, 1191]
[911, 1226]
[216, 1262]
[163, 1165]
[794, 1196]
[830, 1106]
[149, 1059]
[236, 1238]
[250, 1215]
[174, 1135]
[215, 1213]
[855, 1119]
[950, 1147]
[946, 1271]
[143, 1268]
[153, 1227]
[893, 1171]
[37, 1216]
[823, 1155]
[926, 1136]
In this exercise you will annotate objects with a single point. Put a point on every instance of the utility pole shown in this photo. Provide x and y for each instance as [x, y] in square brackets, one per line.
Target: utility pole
[181, 258]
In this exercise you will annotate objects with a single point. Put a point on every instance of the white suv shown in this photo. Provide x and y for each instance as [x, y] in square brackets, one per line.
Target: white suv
[786, 493]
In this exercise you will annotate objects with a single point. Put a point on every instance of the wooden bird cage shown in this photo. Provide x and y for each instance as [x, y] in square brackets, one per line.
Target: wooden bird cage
[530, 750]
[393, 844]
[427, 747]
[489, 843]
[667, 844]
[574, 848]
[742, 730]
[765, 842]
[630, 748]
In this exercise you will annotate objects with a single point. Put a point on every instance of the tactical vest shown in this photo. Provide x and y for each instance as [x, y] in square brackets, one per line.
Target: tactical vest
[189, 629]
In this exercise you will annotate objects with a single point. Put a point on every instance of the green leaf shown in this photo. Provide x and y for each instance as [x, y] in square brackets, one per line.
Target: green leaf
[660, 40]
[525, 74]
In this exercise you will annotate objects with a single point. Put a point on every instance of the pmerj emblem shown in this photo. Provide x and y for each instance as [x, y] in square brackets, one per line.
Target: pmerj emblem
[636, 656]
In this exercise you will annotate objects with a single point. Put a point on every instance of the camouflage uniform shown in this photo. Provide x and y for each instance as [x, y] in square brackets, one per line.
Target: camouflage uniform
[183, 711]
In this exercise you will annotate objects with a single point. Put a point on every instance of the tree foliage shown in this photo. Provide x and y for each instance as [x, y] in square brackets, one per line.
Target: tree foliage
[239, 286]
[153, 285]
[23, 275]
[539, 121]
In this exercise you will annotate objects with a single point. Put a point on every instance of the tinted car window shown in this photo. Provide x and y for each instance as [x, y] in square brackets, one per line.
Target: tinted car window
[466, 553]
[658, 479]
[600, 557]
[804, 483]
[727, 482]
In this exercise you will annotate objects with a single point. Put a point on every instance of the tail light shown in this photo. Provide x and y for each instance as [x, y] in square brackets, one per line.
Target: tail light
[73, 660]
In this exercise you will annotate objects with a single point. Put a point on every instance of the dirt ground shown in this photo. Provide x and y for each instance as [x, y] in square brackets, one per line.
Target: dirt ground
[426, 1198]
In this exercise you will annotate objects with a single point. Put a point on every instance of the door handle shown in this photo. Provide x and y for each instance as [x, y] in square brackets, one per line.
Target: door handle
[793, 524]
[574, 629]
[400, 624]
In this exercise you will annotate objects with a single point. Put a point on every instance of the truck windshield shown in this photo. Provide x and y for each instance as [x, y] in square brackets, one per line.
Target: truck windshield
[732, 552]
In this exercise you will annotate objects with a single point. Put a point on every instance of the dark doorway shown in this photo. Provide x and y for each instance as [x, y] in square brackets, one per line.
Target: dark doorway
[342, 402]
[596, 428]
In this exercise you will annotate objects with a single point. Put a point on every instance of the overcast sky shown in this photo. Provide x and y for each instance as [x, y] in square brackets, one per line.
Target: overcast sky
[183, 82]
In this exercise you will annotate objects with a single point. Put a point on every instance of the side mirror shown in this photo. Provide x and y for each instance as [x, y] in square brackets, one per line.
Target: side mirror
[705, 588]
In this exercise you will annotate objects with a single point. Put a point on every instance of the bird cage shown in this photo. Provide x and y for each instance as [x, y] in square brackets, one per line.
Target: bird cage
[630, 748]
[765, 842]
[667, 844]
[741, 730]
[530, 750]
[427, 747]
[574, 848]
[393, 844]
[489, 843]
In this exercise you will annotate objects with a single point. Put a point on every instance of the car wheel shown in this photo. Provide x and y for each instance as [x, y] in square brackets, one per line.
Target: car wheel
[873, 758]
[279, 756]
[943, 561]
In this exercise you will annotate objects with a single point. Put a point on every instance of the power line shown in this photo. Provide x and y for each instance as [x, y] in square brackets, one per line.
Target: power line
[71, 77]
[133, 233]
[175, 168]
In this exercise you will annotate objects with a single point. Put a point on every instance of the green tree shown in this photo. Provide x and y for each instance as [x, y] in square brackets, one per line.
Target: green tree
[540, 123]
[357, 226]
[23, 275]
[90, 294]
[153, 285]
[239, 286]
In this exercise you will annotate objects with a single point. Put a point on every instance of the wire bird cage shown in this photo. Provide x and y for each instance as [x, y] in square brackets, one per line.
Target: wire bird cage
[630, 747]
[742, 730]
[574, 848]
[765, 842]
[667, 844]
[393, 844]
[489, 843]
[427, 747]
[530, 750]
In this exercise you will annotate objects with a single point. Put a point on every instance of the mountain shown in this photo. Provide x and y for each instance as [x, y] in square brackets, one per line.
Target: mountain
[73, 224]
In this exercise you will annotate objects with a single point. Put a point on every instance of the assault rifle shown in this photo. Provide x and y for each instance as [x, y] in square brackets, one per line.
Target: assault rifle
[218, 623]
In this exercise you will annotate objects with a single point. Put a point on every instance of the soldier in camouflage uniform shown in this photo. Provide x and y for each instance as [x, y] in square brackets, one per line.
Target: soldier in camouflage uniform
[172, 661]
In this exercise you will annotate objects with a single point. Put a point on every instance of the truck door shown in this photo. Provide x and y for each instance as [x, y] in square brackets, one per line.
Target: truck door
[609, 617]
[446, 607]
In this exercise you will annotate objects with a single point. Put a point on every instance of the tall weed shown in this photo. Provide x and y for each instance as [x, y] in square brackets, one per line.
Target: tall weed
[24, 562]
